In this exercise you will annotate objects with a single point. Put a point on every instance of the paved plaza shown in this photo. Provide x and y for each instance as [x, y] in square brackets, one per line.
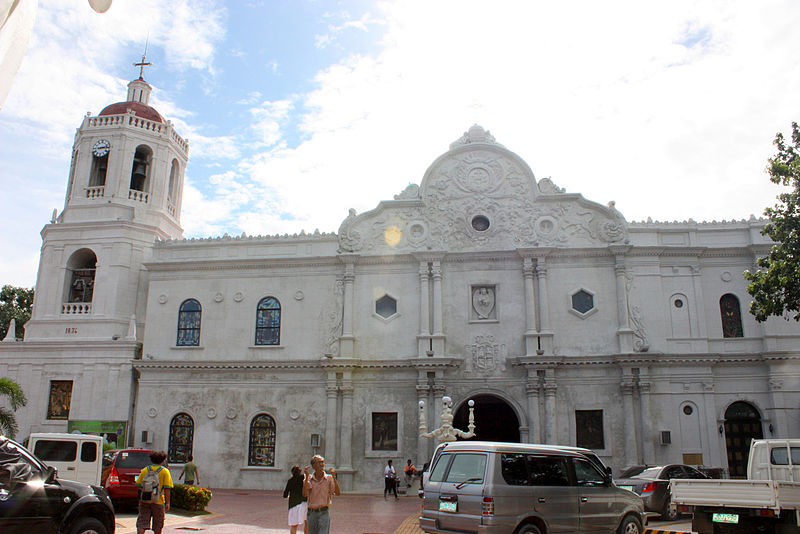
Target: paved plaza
[265, 512]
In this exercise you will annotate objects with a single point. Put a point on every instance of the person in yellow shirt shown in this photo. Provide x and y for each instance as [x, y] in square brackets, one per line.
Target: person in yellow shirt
[155, 484]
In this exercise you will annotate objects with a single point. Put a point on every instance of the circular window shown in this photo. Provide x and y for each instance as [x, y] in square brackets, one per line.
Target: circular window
[678, 303]
[480, 223]
[688, 410]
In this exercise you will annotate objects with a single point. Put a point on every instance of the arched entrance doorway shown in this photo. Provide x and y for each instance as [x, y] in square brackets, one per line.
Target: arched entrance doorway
[742, 424]
[495, 420]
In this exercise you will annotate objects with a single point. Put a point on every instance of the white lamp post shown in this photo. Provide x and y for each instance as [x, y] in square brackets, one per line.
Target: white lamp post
[447, 432]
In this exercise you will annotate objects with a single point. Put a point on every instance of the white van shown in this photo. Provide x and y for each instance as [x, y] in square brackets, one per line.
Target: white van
[76, 456]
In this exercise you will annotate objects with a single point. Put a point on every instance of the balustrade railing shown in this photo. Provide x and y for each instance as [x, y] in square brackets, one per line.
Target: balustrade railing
[139, 196]
[171, 208]
[76, 308]
[95, 191]
[103, 121]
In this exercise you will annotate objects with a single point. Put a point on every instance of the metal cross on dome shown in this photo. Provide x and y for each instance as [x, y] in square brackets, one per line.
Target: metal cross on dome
[142, 64]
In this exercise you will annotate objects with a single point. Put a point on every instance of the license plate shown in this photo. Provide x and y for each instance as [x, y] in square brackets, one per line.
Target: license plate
[725, 518]
[629, 488]
[448, 506]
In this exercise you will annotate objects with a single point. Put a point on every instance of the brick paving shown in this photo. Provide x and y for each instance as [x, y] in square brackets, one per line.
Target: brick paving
[265, 512]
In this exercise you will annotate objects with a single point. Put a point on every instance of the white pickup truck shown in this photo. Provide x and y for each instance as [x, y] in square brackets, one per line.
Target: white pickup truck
[767, 502]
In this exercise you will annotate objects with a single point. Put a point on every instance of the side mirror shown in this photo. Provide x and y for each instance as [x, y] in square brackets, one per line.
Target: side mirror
[608, 470]
[51, 474]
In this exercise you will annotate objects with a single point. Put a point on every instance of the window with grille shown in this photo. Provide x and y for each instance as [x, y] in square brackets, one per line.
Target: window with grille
[268, 322]
[262, 441]
[189, 324]
[181, 436]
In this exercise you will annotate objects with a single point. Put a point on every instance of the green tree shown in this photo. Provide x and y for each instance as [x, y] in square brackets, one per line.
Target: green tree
[15, 303]
[775, 286]
[16, 398]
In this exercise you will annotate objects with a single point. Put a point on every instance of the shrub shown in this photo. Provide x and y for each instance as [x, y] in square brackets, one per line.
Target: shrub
[193, 498]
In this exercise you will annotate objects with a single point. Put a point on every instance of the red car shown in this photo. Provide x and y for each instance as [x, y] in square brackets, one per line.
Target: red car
[120, 469]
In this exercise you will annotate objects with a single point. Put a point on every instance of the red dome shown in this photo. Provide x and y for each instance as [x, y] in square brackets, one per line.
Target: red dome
[140, 110]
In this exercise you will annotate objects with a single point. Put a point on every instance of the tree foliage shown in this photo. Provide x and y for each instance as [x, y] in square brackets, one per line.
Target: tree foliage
[775, 286]
[15, 303]
[16, 398]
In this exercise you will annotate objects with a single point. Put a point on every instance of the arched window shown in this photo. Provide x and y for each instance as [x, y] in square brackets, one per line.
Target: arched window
[140, 170]
[261, 451]
[172, 192]
[731, 316]
[189, 323]
[181, 436]
[268, 322]
[81, 268]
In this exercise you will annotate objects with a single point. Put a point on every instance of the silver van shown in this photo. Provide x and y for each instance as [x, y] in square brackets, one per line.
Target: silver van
[504, 488]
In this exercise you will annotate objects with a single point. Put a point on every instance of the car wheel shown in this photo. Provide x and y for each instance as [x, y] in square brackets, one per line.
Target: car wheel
[528, 528]
[630, 525]
[670, 512]
[88, 525]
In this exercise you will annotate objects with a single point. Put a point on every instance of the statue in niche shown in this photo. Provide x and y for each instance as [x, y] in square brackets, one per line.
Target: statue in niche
[483, 301]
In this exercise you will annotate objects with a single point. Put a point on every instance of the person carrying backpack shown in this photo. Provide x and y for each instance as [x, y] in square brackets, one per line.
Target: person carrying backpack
[155, 484]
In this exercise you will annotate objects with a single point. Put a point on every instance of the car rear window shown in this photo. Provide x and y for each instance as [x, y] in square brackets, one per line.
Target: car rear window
[779, 456]
[133, 460]
[49, 450]
[651, 472]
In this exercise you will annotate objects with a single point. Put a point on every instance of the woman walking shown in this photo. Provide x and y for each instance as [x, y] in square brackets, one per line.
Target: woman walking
[298, 505]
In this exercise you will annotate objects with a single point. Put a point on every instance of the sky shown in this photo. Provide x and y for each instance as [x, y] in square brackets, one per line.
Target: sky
[296, 111]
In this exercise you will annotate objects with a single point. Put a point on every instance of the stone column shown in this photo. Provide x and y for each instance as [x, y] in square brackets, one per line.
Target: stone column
[648, 438]
[629, 420]
[550, 389]
[545, 334]
[347, 426]
[531, 334]
[332, 394]
[422, 443]
[438, 393]
[424, 339]
[347, 341]
[438, 334]
[532, 392]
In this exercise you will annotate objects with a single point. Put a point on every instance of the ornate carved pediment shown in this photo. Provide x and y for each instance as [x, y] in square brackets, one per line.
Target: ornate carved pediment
[480, 196]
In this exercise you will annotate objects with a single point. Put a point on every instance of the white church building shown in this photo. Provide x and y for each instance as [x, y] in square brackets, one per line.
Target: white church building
[563, 321]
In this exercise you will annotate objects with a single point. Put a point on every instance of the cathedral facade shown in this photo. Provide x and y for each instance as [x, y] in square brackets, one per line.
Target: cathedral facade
[561, 320]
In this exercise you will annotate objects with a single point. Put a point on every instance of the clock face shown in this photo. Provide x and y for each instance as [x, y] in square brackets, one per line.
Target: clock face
[101, 148]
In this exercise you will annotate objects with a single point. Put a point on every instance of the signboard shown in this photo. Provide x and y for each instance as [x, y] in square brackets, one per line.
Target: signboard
[114, 433]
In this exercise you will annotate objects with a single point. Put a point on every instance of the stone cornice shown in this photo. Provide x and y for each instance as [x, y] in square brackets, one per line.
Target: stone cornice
[326, 364]
[650, 359]
[244, 264]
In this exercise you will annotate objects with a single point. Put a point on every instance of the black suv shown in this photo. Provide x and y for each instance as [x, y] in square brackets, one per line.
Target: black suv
[34, 499]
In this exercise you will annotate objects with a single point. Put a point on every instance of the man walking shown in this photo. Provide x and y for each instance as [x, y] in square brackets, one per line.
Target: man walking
[155, 485]
[319, 488]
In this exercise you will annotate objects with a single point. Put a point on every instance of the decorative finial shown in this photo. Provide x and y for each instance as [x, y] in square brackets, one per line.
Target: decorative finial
[143, 63]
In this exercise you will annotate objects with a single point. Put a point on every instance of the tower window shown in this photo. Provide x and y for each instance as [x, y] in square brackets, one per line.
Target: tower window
[140, 170]
[81, 266]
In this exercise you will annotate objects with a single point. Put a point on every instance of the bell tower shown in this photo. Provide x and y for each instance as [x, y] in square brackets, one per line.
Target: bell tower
[124, 193]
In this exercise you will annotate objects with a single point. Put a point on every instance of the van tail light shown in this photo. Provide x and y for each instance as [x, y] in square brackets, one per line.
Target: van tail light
[650, 486]
[684, 509]
[766, 513]
[487, 507]
[113, 476]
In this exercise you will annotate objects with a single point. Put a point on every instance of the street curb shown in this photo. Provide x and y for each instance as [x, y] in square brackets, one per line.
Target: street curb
[660, 531]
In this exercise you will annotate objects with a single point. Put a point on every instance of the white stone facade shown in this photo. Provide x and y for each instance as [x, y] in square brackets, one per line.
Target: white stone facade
[480, 282]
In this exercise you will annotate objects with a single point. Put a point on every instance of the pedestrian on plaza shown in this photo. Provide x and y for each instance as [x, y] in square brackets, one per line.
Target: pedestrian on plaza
[389, 480]
[298, 505]
[155, 485]
[410, 471]
[192, 474]
[319, 488]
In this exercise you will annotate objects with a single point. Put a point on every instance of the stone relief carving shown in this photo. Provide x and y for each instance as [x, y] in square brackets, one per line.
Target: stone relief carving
[483, 302]
[476, 134]
[640, 343]
[410, 192]
[485, 355]
[547, 187]
[331, 318]
[482, 182]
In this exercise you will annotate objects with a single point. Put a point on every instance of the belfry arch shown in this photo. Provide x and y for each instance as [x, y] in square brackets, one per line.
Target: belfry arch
[495, 418]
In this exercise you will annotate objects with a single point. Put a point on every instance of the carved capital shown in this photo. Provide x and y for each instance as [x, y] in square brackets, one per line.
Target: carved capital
[627, 386]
